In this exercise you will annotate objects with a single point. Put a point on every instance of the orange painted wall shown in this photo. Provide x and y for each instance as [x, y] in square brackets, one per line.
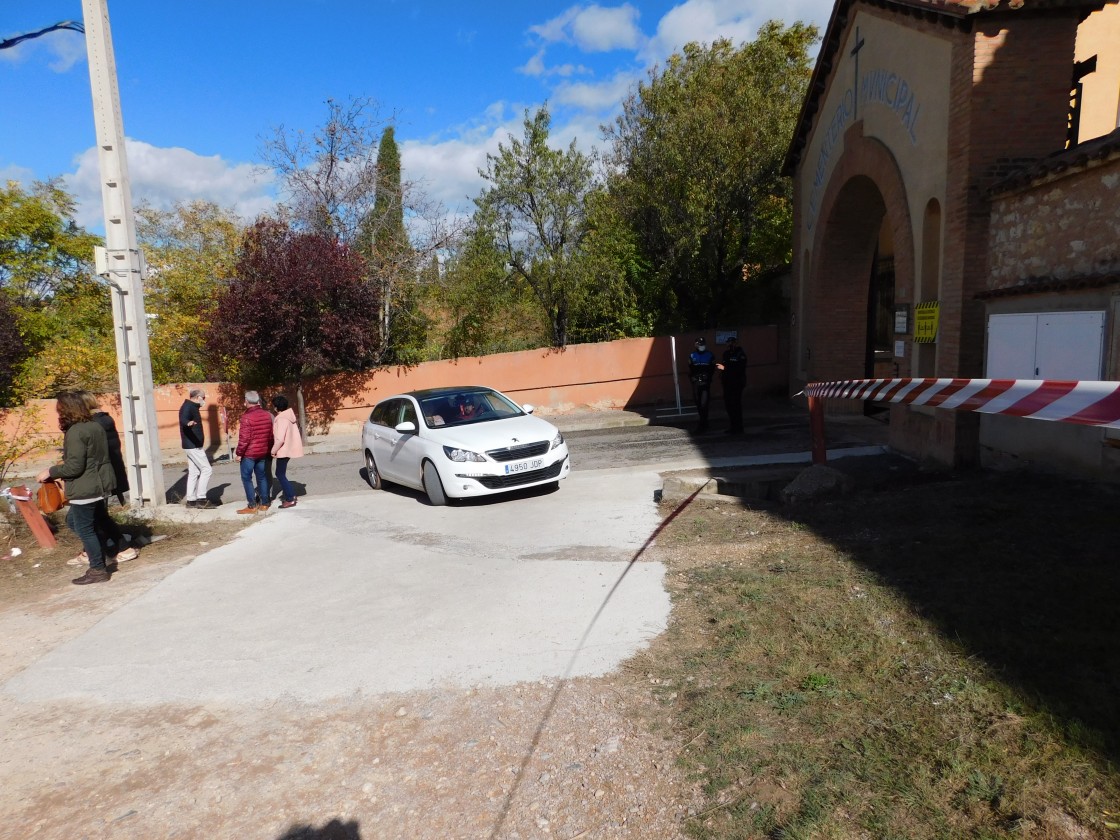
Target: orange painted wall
[630, 373]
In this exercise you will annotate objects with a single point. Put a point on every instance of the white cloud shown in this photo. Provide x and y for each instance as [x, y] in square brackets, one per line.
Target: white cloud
[447, 171]
[595, 96]
[69, 48]
[736, 20]
[64, 49]
[596, 29]
[556, 30]
[535, 67]
[164, 176]
[20, 174]
[593, 28]
[703, 21]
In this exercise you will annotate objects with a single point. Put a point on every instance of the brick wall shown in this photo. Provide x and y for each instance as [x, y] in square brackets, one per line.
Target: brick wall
[633, 372]
[1016, 108]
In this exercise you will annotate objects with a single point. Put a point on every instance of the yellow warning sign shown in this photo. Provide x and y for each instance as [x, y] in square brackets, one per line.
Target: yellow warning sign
[925, 322]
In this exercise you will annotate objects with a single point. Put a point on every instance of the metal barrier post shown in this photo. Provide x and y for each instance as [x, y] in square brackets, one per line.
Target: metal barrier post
[816, 430]
[21, 496]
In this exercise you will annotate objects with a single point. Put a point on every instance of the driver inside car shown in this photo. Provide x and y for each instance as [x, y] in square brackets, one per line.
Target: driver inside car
[468, 408]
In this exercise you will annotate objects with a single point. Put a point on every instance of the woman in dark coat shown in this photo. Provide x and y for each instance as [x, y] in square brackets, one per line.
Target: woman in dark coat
[113, 438]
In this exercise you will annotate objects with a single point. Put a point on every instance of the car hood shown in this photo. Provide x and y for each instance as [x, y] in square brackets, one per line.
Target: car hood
[493, 434]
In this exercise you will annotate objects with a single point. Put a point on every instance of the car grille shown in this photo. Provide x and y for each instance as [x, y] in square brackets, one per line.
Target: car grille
[500, 482]
[516, 453]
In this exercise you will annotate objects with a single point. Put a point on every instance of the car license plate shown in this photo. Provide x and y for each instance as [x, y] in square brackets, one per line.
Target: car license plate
[524, 466]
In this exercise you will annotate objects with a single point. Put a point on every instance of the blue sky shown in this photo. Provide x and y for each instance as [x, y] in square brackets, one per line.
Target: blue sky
[202, 83]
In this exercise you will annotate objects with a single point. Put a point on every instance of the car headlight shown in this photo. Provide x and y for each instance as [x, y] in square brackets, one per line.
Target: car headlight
[462, 455]
[556, 441]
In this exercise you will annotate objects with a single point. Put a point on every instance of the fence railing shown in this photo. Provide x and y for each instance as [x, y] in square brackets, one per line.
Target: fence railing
[1088, 403]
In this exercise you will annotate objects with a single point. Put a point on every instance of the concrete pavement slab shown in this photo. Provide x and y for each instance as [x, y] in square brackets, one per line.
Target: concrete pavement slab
[370, 593]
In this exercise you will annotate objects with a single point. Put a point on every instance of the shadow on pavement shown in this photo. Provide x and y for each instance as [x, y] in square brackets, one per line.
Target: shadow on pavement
[334, 830]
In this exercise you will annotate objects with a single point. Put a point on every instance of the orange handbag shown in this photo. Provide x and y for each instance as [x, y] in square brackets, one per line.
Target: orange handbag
[51, 496]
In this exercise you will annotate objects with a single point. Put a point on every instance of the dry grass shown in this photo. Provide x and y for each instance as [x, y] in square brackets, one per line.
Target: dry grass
[36, 571]
[937, 659]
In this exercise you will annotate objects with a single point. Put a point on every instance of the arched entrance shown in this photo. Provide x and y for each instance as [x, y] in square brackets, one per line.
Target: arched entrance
[862, 266]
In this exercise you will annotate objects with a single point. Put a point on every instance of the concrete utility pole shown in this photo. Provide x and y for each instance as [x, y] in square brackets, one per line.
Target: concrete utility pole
[122, 264]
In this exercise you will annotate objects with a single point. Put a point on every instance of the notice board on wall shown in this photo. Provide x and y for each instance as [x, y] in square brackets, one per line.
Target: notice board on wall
[926, 317]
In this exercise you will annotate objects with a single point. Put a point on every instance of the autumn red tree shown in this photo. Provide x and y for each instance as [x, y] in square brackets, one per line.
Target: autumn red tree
[298, 305]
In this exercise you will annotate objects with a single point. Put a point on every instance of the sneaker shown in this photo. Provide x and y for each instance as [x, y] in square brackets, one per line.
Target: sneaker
[92, 576]
[204, 504]
[81, 560]
[250, 509]
[126, 555]
[289, 503]
[262, 508]
[190, 503]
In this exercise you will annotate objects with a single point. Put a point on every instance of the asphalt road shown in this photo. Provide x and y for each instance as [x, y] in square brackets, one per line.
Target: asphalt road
[654, 446]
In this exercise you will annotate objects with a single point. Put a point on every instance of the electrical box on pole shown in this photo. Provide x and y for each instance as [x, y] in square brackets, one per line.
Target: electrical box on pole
[122, 265]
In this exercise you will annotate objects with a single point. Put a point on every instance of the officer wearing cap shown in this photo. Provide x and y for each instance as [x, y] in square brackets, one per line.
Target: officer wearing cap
[701, 367]
[733, 374]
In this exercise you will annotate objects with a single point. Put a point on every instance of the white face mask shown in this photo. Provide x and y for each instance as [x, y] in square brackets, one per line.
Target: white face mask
[701, 347]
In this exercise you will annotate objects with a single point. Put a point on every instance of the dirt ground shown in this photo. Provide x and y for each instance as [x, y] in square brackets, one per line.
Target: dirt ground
[587, 758]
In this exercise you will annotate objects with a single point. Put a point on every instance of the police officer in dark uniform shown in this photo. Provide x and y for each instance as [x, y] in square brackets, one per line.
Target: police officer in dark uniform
[733, 375]
[701, 367]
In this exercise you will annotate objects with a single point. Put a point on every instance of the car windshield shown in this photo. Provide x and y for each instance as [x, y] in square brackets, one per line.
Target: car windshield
[468, 406]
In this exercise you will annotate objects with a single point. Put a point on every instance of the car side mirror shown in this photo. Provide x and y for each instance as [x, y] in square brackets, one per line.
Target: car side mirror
[528, 409]
[406, 428]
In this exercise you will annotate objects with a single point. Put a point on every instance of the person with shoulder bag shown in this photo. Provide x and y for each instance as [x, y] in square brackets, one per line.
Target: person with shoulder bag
[89, 482]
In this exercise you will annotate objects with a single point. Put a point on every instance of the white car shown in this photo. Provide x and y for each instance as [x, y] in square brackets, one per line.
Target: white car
[454, 443]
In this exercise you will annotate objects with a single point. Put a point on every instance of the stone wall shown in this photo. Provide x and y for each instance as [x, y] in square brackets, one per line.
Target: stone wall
[1066, 227]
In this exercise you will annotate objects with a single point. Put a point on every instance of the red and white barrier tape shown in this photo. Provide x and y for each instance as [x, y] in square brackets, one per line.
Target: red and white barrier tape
[1085, 402]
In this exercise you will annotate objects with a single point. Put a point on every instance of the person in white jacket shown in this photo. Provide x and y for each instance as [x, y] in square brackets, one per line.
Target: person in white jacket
[287, 443]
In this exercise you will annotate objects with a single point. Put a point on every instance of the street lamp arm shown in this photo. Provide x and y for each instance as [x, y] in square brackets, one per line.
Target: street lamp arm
[72, 25]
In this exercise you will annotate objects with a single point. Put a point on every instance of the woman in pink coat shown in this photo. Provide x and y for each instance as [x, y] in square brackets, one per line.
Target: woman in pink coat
[287, 443]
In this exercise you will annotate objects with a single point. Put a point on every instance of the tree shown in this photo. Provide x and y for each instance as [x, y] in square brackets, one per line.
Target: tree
[190, 251]
[42, 248]
[393, 264]
[485, 307]
[537, 201]
[329, 178]
[77, 349]
[298, 305]
[13, 352]
[608, 308]
[61, 311]
[335, 185]
[697, 155]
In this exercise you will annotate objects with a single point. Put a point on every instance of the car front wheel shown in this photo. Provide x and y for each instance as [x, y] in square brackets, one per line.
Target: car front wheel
[433, 486]
[372, 475]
